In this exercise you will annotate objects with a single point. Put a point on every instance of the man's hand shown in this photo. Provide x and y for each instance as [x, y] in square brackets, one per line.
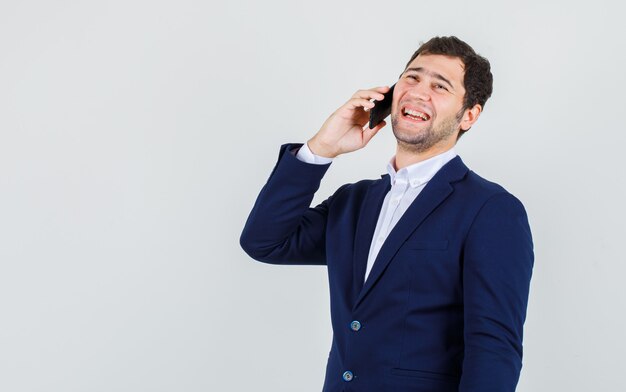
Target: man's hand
[346, 130]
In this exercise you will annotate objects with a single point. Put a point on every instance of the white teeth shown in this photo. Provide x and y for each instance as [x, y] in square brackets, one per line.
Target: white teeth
[415, 113]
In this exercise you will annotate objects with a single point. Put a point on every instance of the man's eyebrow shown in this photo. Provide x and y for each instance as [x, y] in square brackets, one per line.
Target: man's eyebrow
[433, 74]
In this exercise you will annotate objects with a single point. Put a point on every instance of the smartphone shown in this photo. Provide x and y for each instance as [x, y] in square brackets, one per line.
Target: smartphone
[381, 109]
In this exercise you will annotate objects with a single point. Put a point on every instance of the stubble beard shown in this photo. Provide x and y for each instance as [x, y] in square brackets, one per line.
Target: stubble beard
[425, 139]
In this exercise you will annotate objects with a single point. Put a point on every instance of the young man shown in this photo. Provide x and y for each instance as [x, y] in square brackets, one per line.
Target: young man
[429, 267]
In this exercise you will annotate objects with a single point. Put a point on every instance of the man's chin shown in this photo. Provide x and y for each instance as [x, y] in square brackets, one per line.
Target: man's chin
[410, 136]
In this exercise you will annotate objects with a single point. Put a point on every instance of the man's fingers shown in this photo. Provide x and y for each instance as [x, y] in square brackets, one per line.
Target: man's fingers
[368, 133]
[381, 89]
[373, 93]
[360, 102]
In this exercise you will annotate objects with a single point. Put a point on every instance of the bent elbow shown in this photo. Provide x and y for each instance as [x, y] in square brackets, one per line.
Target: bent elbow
[247, 244]
[254, 249]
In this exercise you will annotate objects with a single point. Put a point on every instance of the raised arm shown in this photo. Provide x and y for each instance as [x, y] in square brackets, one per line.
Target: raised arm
[282, 228]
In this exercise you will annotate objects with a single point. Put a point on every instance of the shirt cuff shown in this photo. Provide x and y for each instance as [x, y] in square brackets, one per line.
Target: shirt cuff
[306, 155]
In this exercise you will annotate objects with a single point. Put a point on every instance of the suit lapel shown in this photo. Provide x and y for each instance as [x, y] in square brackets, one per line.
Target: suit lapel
[435, 192]
[368, 216]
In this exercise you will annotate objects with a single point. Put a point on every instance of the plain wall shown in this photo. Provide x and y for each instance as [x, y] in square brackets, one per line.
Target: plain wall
[135, 136]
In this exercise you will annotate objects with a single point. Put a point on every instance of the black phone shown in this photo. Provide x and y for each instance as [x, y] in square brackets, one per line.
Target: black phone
[381, 109]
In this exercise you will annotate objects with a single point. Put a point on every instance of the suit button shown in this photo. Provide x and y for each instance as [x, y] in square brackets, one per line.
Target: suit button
[355, 325]
[348, 376]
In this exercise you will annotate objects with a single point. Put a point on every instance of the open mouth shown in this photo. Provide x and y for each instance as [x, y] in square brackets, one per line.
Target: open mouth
[415, 115]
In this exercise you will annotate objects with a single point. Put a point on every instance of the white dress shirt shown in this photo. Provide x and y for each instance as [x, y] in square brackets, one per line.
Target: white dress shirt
[406, 184]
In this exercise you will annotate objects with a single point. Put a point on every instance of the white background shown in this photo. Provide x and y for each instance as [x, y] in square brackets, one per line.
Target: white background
[135, 136]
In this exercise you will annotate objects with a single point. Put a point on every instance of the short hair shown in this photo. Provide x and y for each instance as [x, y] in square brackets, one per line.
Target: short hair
[477, 79]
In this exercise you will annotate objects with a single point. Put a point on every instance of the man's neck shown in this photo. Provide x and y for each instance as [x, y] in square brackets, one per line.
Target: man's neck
[406, 157]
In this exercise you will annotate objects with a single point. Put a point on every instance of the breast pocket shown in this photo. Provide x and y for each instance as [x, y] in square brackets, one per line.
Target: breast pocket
[433, 266]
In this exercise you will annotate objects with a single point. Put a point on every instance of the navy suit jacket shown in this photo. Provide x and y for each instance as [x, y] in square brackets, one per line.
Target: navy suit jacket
[445, 302]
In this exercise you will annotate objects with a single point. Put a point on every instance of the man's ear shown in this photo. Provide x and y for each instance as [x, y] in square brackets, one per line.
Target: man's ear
[470, 116]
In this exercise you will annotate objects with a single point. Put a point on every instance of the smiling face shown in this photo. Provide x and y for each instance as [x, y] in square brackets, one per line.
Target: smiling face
[426, 111]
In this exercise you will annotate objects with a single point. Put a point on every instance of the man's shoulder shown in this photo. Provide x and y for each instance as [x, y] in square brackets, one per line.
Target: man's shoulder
[463, 179]
[482, 184]
[365, 183]
[489, 192]
[357, 191]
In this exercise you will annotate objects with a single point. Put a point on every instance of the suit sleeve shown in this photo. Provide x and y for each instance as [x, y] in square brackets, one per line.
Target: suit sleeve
[282, 228]
[497, 267]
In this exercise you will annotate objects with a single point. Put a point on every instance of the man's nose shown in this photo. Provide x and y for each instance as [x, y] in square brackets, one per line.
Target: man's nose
[420, 91]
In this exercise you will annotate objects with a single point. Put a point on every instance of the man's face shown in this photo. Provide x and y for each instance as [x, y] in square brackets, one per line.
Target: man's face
[427, 102]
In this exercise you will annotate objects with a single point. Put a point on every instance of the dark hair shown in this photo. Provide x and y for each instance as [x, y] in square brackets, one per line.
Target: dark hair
[477, 80]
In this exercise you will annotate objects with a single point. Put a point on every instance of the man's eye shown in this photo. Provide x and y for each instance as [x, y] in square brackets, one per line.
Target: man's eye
[412, 77]
[439, 86]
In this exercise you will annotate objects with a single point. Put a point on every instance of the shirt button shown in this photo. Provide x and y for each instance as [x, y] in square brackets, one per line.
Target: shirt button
[355, 325]
[347, 376]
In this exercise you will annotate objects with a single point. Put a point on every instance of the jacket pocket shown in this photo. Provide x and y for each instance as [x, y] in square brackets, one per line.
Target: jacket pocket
[422, 374]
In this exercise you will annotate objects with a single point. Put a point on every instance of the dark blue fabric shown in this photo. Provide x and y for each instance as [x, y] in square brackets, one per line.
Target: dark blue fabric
[444, 305]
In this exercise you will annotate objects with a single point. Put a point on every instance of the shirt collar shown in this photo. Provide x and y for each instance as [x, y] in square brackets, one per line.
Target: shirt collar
[419, 173]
